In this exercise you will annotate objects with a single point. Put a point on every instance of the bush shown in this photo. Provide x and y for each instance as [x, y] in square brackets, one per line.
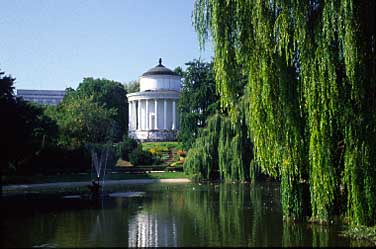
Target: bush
[140, 157]
[57, 159]
[126, 147]
[181, 153]
[157, 152]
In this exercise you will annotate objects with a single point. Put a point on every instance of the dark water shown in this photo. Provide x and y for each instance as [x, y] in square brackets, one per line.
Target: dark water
[162, 215]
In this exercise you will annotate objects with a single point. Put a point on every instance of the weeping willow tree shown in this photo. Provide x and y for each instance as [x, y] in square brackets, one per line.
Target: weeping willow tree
[311, 94]
[222, 150]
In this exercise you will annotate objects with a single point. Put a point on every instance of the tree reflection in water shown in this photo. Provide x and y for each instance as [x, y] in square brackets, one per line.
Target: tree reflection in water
[167, 215]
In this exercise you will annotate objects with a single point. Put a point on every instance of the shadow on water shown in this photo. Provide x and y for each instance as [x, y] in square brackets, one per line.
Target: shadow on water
[162, 215]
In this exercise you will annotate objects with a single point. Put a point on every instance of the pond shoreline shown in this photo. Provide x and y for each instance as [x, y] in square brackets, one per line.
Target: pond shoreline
[22, 188]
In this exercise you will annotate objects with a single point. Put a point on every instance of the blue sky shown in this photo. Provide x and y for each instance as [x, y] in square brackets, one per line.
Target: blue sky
[54, 44]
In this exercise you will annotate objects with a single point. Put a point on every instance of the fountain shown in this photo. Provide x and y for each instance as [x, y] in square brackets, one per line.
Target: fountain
[99, 156]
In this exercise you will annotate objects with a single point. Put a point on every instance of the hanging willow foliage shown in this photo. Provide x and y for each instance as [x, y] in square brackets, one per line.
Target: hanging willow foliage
[311, 92]
[222, 150]
[201, 161]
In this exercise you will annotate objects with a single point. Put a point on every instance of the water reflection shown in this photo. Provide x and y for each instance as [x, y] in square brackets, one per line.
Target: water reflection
[165, 215]
[147, 230]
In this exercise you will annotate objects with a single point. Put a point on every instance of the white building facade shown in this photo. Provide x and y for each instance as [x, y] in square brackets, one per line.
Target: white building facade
[153, 114]
[45, 97]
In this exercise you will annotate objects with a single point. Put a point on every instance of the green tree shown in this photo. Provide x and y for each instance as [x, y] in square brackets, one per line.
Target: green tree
[82, 120]
[25, 131]
[132, 86]
[197, 99]
[179, 71]
[310, 69]
[6, 90]
[108, 94]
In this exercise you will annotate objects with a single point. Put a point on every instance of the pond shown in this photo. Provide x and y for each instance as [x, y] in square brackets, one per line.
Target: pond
[163, 214]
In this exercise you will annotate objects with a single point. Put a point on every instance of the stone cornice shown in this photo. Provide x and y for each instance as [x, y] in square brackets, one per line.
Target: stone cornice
[162, 76]
[153, 95]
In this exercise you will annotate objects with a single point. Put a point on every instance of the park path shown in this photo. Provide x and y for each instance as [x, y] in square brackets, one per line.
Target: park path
[26, 187]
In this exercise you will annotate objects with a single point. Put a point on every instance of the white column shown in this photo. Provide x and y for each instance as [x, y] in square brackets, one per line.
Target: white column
[129, 115]
[147, 114]
[164, 114]
[173, 114]
[156, 113]
[139, 115]
[134, 115]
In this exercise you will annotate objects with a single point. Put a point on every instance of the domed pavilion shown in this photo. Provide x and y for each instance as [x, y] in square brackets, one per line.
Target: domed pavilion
[153, 114]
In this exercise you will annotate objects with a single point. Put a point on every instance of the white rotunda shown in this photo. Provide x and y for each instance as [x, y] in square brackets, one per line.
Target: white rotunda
[153, 114]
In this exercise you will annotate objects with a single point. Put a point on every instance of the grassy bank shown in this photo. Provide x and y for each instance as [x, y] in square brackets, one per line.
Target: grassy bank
[78, 177]
[362, 233]
[149, 145]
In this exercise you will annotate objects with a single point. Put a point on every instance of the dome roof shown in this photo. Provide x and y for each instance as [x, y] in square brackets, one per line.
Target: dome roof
[159, 70]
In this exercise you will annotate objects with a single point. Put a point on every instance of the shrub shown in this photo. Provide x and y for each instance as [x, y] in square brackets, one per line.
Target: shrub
[157, 151]
[140, 157]
[181, 153]
[57, 159]
[153, 151]
[126, 147]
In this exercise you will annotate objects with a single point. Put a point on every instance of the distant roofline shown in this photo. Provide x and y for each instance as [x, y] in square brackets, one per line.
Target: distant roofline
[33, 92]
[159, 75]
[36, 90]
[39, 90]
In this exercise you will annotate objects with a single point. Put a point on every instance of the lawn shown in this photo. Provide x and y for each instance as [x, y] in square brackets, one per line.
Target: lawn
[149, 145]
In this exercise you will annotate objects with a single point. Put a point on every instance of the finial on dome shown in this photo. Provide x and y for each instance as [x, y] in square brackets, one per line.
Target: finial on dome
[160, 61]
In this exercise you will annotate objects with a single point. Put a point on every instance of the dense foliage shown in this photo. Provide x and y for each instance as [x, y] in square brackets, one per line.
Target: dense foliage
[82, 121]
[132, 86]
[310, 69]
[198, 99]
[222, 150]
[91, 118]
[138, 156]
[24, 130]
[126, 146]
[109, 94]
[48, 139]
[94, 113]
